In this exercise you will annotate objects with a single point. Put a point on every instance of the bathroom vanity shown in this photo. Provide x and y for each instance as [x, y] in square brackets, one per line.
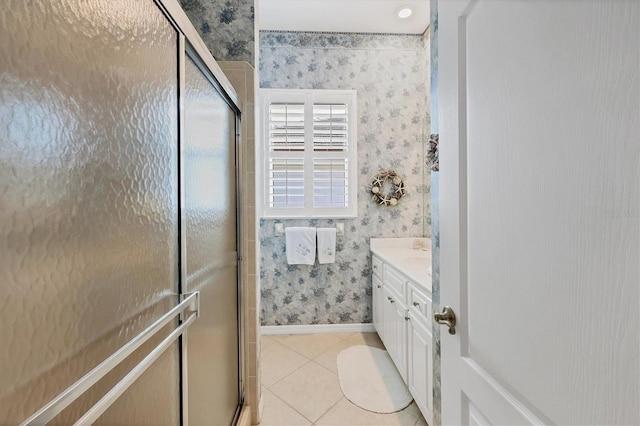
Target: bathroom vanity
[401, 279]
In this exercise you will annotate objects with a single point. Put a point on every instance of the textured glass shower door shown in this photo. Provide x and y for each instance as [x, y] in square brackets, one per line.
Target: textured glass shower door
[89, 202]
[114, 202]
[210, 239]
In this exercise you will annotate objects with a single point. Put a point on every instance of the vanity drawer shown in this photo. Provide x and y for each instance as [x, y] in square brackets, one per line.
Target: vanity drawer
[376, 266]
[394, 280]
[419, 303]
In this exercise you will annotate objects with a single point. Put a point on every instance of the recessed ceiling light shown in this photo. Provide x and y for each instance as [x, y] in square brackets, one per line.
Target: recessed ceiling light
[404, 12]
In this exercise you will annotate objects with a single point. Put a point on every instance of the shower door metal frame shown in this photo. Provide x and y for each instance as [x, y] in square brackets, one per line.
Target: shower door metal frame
[190, 43]
[189, 52]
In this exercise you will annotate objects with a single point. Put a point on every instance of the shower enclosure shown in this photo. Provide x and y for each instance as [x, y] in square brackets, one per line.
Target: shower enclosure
[118, 218]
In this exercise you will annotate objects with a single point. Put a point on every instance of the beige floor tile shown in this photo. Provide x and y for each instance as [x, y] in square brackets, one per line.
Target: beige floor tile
[311, 390]
[344, 413]
[342, 335]
[278, 413]
[266, 341]
[278, 361]
[370, 339]
[349, 335]
[278, 337]
[329, 357]
[311, 345]
[302, 393]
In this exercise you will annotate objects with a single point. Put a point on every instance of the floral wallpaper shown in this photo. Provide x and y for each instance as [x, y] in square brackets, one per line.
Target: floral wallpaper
[391, 76]
[226, 26]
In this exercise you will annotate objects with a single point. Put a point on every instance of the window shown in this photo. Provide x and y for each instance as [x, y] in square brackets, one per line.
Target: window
[309, 142]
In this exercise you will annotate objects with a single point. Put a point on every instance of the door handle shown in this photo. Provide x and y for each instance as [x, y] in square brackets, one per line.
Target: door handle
[447, 317]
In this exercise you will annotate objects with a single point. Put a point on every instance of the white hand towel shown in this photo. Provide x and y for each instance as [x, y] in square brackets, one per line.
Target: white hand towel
[301, 245]
[326, 245]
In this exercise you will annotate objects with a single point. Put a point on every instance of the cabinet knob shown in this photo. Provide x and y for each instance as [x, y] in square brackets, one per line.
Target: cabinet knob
[390, 299]
[379, 286]
[407, 318]
[416, 304]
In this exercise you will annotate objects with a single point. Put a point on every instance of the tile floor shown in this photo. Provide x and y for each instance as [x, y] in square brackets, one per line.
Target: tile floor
[301, 388]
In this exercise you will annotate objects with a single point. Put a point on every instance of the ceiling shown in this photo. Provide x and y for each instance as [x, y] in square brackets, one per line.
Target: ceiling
[351, 16]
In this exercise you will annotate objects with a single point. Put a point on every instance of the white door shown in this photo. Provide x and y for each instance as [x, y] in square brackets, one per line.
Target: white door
[540, 206]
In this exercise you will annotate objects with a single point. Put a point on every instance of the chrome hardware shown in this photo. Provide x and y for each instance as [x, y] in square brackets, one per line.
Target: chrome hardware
[390, 299]
[447, 317]
[416, 304]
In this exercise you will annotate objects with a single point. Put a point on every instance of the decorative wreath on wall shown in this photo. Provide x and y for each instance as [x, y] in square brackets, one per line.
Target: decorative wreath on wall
[387, 188]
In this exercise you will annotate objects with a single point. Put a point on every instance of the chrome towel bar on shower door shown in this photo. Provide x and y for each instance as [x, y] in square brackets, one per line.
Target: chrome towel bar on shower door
[63, 400]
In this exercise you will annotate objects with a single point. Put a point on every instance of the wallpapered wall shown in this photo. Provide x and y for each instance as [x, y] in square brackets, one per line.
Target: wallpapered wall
[391, 75]
[227, 27]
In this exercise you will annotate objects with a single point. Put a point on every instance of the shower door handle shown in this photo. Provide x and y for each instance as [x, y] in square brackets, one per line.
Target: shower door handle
[447, 317]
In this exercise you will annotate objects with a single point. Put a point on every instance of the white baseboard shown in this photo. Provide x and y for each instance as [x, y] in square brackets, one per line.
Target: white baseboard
[317, 328]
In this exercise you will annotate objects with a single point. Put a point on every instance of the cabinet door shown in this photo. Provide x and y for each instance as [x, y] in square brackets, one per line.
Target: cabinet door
[387, 321]
[378, 305]
[400, 332]
[395, 330]
[420, 378]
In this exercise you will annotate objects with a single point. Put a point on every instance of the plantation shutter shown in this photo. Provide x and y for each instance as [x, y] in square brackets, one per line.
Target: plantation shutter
[330, 159]
[286, 155]
[310, 154]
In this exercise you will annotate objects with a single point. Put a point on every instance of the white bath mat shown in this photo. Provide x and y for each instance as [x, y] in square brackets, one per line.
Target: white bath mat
[370, 380]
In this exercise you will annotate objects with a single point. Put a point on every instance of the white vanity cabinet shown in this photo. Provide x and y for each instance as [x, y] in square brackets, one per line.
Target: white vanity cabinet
[402, 318]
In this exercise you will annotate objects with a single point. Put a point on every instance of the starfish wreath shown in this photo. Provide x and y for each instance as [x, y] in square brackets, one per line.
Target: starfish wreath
[387, 188]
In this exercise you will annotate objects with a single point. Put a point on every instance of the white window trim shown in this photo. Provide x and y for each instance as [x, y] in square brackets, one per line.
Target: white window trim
[309, 97]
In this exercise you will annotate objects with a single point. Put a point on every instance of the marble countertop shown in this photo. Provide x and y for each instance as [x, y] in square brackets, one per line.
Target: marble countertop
[411, 256]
